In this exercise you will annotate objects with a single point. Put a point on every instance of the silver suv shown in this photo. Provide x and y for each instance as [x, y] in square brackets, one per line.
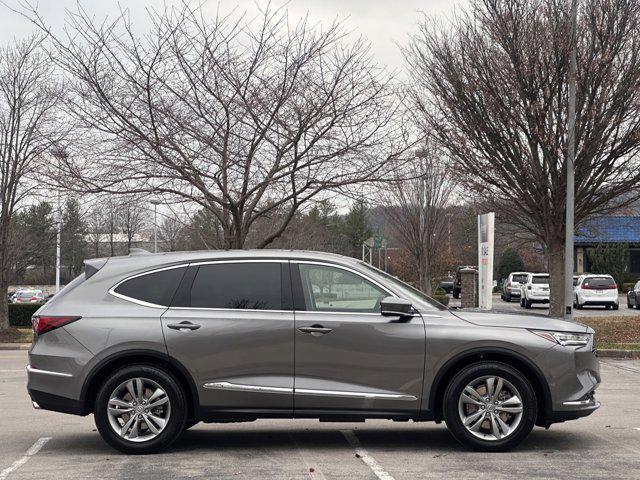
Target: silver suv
[151, 344]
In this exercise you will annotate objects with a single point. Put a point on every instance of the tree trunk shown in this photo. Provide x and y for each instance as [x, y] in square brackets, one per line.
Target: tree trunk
[4, 307]
[555, 254]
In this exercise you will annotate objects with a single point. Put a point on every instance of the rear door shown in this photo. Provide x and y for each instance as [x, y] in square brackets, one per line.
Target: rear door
[349, 358]
[231, 325]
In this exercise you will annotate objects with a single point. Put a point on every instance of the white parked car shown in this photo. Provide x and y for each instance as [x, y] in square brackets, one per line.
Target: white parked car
[512, 284]
[534, 290]
[596, 290]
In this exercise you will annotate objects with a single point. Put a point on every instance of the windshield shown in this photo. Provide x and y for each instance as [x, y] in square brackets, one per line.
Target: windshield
[540, 280]
[403, 285]
[521, 278]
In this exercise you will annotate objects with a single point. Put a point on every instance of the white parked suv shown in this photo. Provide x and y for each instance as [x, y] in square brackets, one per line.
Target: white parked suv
[535, 289]
[512, 284]
[596, 290]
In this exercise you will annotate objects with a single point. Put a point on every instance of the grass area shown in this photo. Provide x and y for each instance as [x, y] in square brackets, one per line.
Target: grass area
[615, 332]
[16, 335]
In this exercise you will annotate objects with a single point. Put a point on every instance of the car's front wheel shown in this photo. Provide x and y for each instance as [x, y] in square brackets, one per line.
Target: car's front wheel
[140, 409]
[489, 406]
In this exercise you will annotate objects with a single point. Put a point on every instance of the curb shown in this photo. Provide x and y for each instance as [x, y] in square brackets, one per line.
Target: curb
[15, 346]
[607, 353]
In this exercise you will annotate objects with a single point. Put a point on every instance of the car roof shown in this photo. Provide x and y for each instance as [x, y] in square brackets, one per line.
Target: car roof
[519, 273]
[591, 275]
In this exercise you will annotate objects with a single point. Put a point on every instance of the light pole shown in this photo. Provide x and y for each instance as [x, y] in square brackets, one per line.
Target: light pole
[155, 203]
[571, 154]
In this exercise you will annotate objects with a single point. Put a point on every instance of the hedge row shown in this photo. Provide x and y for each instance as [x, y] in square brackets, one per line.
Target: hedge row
[20, 313]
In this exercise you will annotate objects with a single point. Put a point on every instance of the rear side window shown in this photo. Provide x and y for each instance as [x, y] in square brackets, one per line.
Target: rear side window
[246, 286]
[156, 288]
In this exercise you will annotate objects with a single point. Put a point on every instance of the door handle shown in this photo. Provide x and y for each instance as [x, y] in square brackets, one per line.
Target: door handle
[315, 330]
[183, 326]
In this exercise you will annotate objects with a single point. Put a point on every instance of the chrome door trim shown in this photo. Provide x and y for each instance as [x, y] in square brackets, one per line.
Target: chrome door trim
[347, 394]
[31, 369]
[246, 388]
[307, 391]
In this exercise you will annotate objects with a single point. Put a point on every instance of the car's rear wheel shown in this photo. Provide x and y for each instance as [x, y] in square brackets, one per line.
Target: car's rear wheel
[527, 303]
[489, 406]
[616, 306]
[140, 409]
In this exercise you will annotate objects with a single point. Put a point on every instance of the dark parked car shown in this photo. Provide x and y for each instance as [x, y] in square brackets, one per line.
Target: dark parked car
[633, 296]
[153, 344]
[446, 284]
[457, 282]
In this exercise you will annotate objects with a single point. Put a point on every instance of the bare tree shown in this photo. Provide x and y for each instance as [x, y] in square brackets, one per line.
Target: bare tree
[132, 217]
[239, 117]
[27, 132]
[415, 209]
[171, 233]
[493, 86]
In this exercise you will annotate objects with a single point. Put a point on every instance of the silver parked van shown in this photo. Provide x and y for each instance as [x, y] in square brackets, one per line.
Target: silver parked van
[152, 344]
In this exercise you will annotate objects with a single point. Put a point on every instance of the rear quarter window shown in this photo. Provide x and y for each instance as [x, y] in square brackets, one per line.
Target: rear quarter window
[155, 288]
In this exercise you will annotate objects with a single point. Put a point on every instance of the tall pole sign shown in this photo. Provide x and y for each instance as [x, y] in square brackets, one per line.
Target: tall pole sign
[485, 260]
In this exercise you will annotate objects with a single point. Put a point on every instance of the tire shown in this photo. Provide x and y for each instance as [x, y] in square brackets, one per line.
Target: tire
[608, 307]
[521, 302]
[527, 303]
[629, 304]
[456, 294]
[173, 410]
[508, 298]
[616, 306]
[578, 305]
[520, 427]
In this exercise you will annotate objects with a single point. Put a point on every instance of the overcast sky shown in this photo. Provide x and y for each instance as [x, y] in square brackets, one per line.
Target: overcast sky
[383, 22]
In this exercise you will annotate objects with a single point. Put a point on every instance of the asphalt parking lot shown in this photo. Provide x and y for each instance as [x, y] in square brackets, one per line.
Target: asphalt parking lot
[500, 305]
[39, 444]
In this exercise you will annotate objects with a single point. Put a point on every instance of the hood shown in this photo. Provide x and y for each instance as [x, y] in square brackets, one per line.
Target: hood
[515, 320]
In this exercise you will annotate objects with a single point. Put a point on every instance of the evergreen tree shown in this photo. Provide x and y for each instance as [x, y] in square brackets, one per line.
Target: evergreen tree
[510, 261]
[356, 226]
[73, 244]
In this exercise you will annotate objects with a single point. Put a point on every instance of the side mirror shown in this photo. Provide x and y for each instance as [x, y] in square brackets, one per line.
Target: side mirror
[393, 306]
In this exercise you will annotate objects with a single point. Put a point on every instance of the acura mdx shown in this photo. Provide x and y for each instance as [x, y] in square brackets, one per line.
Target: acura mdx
[152, 344]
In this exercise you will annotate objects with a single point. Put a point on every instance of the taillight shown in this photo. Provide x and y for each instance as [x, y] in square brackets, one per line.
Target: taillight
[508, 284]
[43, 323]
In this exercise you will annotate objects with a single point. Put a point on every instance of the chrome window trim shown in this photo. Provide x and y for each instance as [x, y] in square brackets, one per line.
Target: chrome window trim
[31, 369]
[308, 391]
[217, 309]
[112, 291]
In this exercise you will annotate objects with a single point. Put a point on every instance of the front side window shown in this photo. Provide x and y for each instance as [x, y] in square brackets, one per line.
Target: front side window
[156, 288]
[246, 286]
[330, 289]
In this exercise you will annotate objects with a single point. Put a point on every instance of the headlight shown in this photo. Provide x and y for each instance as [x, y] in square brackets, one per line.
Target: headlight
[565, 339]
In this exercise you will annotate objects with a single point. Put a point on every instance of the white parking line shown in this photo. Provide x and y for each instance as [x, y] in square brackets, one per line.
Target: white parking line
[379, 472]
[35, 448]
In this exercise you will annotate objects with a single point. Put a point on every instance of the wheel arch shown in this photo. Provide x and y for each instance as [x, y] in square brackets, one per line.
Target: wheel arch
[531, 371]
[146, 357]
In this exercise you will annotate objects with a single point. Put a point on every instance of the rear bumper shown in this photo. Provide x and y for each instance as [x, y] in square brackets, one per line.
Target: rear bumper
[56, 403]
[602, 303]
[566, 415]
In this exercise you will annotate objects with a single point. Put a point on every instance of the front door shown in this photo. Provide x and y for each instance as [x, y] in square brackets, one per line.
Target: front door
[348, 357]
[231, 326]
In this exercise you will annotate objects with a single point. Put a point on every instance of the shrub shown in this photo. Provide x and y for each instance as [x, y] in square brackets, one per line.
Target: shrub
[20, 313]
[441, 296]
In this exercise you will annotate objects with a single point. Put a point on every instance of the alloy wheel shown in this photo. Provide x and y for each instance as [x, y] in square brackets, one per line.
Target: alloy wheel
[139, 410]
[490, 408]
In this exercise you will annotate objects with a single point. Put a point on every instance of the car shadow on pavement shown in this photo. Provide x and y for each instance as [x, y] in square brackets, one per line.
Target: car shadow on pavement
[433, 439]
